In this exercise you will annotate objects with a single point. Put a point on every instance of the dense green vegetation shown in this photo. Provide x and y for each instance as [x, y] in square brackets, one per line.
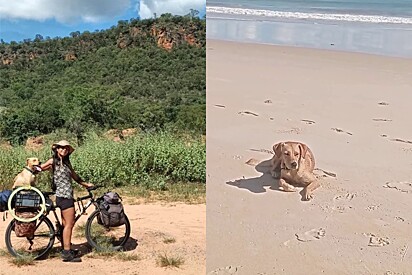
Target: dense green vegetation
[148, 160]
[145, 74]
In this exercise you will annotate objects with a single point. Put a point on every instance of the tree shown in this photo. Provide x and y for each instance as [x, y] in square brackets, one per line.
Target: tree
[38, 38]
[75, 34]
[194, 13]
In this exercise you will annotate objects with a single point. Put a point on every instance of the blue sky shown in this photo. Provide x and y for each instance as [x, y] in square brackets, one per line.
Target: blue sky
[21, 19]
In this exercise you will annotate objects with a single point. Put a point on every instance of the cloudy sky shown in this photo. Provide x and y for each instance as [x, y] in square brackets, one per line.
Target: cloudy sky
[25, 18]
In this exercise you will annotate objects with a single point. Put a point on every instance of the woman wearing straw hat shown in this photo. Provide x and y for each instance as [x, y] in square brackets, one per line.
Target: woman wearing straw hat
[63, 173]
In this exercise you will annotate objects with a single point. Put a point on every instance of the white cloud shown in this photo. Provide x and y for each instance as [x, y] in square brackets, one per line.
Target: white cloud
[64, 11]
[176, 7]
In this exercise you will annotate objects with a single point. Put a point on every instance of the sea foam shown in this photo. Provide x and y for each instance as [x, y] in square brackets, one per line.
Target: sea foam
[310, 16]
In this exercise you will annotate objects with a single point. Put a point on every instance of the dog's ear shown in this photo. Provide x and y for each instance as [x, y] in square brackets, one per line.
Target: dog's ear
[303, 149]
[27, 161]
[277, 148]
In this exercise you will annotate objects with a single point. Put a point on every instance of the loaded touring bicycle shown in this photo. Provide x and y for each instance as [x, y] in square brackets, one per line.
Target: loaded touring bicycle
[32, 233]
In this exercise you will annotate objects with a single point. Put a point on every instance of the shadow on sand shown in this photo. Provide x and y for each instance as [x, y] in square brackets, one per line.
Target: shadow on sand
[84, 248]
[258, 184]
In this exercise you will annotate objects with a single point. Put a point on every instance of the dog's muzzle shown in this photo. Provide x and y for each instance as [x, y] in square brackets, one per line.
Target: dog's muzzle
[36, 168]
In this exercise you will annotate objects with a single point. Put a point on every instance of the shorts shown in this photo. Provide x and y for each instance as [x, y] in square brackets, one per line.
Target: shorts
[64, 203]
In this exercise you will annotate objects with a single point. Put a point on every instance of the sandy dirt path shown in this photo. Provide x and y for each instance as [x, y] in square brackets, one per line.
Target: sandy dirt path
[151, 225]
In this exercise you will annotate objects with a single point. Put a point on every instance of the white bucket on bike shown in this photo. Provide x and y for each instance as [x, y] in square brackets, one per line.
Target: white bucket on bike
[26, 207]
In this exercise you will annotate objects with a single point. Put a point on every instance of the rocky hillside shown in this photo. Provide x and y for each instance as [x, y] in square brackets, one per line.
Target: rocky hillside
[144, 74]
[166, 32]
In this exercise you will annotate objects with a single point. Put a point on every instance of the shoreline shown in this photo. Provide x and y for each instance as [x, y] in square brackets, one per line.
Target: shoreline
[376, 39]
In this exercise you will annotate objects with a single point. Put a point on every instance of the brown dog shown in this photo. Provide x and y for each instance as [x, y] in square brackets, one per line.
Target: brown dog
[28, 175]
[293, 164]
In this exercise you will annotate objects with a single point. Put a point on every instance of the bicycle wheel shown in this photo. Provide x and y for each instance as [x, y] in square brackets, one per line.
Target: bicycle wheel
[37, 246]
[106, 238]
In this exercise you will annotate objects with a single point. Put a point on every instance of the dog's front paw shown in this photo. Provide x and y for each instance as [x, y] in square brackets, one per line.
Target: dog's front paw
[286, 186]
[307, 195]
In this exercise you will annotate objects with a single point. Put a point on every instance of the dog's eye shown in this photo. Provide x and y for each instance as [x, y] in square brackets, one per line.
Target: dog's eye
[287, 153]
[296, 154]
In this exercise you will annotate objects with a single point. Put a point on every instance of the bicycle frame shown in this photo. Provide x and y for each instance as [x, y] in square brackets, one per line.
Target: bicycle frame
[80, 206]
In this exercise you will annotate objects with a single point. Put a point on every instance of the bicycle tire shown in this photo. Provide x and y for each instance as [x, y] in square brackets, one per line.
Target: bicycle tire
[89, 238]
[13, 252]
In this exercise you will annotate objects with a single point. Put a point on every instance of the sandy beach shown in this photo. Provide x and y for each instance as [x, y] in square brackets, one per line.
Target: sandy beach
[151, 224]
[353, 110]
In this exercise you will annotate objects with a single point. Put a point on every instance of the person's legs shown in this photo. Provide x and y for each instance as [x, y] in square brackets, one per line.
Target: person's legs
[68, 218]
[67, 214]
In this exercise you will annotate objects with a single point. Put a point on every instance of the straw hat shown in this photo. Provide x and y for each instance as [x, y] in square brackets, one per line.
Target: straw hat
[63, 143]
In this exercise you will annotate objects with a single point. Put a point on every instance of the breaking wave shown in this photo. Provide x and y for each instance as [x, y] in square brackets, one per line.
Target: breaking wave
[310, 16]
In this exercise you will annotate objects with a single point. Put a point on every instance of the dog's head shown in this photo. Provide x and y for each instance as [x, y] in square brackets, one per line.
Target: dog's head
[290, 153]
[33, 164]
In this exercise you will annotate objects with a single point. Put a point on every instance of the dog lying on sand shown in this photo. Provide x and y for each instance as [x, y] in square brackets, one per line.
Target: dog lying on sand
[293, 164]
[28, 175]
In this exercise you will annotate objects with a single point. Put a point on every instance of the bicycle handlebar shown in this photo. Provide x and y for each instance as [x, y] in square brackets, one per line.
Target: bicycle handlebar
[90, 195]
[92, 188]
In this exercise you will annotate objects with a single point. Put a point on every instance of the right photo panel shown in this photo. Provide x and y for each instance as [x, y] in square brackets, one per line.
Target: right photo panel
[309, 137]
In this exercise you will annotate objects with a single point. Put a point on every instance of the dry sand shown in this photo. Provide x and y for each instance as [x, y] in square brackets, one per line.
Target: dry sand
[151, 225]
[354, 111]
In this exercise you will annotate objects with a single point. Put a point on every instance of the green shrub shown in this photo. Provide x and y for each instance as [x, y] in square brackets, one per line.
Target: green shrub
[151, 160]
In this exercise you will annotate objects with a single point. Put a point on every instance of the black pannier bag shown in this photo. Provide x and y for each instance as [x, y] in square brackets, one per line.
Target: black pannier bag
[111, 210]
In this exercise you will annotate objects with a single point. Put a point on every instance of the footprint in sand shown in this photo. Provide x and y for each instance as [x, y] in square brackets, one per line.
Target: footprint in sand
[393, 273]
[341, 131]
[323, 173]
[341, 199]
[382, 119]
[399, 219]
[373, 207]
[397, 139]
[225, 270]
[376, 241]
[402, 186]
[341, 208]
[347, 196]
[247, 113]
[401, 140]
[220, 106]
[293, 130]
[307, 121]
[382, 103]
[268, 101]
[311, 235]
[407, 150]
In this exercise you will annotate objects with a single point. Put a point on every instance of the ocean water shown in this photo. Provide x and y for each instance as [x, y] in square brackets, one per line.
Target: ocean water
[370, 26]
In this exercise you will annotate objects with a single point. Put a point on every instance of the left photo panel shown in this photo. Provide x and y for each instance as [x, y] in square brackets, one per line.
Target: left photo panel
[103, 137]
